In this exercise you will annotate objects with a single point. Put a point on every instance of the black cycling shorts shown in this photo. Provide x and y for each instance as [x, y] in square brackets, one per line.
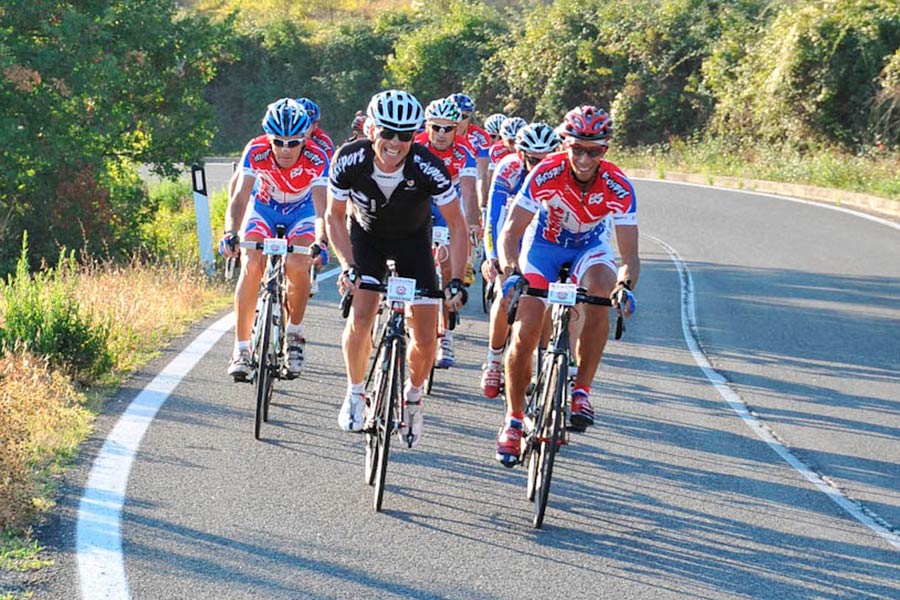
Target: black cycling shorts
[412, 255]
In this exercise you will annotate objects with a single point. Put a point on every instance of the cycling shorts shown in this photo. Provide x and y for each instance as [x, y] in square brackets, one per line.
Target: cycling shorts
[541, 260]
[412, 256]
[298, 218]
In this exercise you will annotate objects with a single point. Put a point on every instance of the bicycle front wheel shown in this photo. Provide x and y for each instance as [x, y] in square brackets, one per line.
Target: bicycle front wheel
[380, 365]
[264, 359]
[391, 406]
[549, 436]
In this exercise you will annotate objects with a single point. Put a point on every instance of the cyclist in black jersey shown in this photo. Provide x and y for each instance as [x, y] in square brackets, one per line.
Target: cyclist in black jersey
[391, 183]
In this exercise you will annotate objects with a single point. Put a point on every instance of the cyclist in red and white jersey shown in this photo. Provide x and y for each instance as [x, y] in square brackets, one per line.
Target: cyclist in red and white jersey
[442, 117]
[533, 143]
[479, 139]
[315, 132]
[282, 181]
[506, 142]
[492, 126]
[560, 217]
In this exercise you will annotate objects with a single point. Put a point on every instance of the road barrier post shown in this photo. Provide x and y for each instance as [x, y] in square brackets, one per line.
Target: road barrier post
[201, 210]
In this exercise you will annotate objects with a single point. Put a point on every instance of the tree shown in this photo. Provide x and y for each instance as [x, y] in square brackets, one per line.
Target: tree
[88, 90]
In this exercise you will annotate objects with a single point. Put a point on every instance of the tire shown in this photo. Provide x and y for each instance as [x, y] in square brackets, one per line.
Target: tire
[534, 408]
[381, 389]
[385, 428]
[263, 362]
[275, 365]
[554, 398]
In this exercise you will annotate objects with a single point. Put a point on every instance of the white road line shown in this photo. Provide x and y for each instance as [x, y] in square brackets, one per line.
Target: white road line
[98, 530]
[692, 338]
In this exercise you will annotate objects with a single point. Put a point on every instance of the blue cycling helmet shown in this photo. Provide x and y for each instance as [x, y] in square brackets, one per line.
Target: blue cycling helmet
[465, 102]
[286, 118]
[312, 109]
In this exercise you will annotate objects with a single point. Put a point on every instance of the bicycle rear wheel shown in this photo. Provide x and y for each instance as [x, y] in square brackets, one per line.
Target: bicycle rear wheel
[549, 434]
[386, 428]
[264, 360]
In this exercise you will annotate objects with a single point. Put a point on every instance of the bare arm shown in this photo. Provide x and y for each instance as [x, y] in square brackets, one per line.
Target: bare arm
[627, 241]
[320, 201]
[238, 198]
[336, 226]
[484, 180]
[459, 238]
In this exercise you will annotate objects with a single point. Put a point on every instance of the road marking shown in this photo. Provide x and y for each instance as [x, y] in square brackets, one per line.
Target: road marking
[98, 529]
[820, 204]
[692, 338]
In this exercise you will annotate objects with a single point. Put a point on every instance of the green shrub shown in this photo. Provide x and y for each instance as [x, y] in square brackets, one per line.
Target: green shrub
[42, 315]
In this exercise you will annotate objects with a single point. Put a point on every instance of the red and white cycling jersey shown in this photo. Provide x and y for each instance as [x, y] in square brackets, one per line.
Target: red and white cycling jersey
[324, 142]
[565, 215]
[275, 184]
[497, 152]
[479, 140]
[459, 158]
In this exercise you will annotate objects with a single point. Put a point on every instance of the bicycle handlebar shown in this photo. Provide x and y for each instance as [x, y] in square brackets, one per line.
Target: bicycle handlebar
[347, 298]
[312, 251]
[521, 287]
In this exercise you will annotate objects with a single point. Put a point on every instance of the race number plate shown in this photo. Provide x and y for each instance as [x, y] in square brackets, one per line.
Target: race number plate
[562, 293]
[275, 246]
[440, 235]
[401, 288]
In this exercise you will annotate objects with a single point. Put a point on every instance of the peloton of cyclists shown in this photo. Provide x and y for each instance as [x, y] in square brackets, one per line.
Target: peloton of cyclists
[391, 183]
[532, 144]
[559, 217]
[281, 181]
[442, 117]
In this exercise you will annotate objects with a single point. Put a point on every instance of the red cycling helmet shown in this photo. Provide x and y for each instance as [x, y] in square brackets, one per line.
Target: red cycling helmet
[587, 123]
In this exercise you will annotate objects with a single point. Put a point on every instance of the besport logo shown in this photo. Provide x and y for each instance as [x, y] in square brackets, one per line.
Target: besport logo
[554, 223]
[429, 170]
[545, 176]
[614, 186]
[348, 160]
[313, 157]
[261, 156]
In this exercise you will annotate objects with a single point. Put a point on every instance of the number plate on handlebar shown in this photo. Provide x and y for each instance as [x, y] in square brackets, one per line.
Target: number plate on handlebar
[440, 235]
[562, 293]
[401, 288]
[277, 246]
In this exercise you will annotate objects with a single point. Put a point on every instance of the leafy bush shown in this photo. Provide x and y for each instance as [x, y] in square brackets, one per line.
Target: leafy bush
[41, 315]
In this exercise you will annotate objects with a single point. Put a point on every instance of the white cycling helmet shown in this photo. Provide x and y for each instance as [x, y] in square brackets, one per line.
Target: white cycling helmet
[537, 138]
[443, 108]
[511, 127]
[492, 123]
[395, 109]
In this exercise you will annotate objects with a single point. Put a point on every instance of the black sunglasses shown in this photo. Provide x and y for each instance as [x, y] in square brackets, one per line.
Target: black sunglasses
[592, 152]
[532, 160]
[289, 143]
[403, 136]
[442, 128]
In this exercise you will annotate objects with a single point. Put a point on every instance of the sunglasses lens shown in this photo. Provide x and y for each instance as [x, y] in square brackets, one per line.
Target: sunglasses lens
[289, 143]
[591, 152]
[403, 136]
[443, 128]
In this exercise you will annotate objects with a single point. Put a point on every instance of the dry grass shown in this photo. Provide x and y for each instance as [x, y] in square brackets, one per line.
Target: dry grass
[43, 417]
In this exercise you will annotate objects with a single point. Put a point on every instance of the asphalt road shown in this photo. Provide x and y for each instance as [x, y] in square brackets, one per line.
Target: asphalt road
[671, 495]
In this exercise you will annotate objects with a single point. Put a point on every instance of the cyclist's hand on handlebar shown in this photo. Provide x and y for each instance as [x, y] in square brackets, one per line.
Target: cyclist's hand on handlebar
[490, 269]
[321, 258]
[348, 280]
[228, 244]
[515, 280]
[455, 294]
[622, 296]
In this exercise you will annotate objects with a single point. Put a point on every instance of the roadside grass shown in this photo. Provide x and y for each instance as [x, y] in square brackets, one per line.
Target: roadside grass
[874, 171]
[46, 412]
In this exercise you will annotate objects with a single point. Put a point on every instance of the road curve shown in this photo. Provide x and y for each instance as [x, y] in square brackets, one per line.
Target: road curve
[670, 496]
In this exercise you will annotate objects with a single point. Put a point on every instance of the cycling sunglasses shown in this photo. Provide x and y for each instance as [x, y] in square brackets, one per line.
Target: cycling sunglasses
[594, 152]
[443, 128]
[289, 143]
[389, 134]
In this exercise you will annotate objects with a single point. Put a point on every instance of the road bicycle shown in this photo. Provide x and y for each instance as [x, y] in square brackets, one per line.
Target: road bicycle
[546, 404]
[440, 245]
[267, 359]
[384, 413]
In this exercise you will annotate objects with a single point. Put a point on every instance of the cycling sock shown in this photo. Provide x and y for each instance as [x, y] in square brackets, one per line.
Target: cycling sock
[241, 347]
[293, 329]
[515, 420]
[358, 389]
[448, 335]
[581, 390]
[494, 355]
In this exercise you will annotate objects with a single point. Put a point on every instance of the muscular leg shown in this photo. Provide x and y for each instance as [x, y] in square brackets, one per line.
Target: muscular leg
[599, 280]
[356, 341]
[525, 333]
[423, 341]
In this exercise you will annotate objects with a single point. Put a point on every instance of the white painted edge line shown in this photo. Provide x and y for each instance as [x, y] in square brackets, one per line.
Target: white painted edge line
[822, 204]
[692, 337]
[98, 529]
